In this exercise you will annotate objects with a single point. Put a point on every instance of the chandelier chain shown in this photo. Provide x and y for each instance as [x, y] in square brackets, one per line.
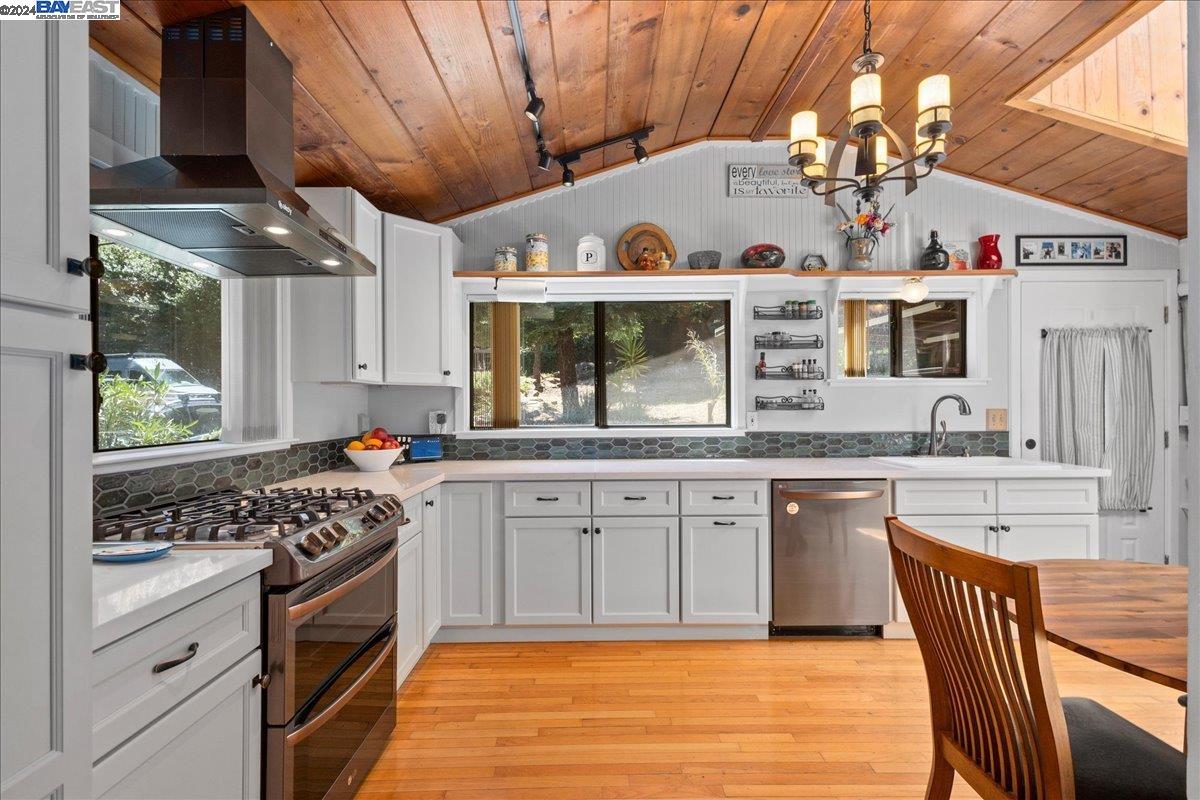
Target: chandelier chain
[866, 26]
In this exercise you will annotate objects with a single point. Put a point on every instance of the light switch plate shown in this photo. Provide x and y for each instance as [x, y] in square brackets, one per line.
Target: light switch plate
[752, 421]
[997, 419]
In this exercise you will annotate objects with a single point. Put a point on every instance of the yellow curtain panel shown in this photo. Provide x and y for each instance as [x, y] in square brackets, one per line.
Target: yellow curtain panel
[854, 318]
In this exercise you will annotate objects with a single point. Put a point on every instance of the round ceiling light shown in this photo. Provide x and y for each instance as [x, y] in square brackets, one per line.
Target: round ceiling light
[914, 290]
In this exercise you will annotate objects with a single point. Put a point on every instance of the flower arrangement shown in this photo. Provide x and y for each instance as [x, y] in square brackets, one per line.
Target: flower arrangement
[865, 225]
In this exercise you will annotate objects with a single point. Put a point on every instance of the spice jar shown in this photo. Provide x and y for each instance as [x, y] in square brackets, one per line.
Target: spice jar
[537, 252]
[505, 259]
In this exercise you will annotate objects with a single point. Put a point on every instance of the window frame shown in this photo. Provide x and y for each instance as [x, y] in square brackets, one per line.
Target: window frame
[717, 291]
[975, 337]
[896, 356]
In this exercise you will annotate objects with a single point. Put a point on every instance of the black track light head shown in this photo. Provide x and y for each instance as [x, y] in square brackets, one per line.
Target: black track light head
[568, 177]
[543, 159]
[640, 153]
[535, 108]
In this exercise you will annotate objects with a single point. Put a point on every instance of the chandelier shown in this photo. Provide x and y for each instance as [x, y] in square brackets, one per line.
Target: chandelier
[864, 123]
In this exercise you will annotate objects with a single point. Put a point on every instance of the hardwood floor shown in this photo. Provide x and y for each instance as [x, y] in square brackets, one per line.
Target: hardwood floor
[808, 718]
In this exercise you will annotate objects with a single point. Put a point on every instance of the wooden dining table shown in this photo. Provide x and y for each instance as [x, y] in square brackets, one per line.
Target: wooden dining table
[1127, 615]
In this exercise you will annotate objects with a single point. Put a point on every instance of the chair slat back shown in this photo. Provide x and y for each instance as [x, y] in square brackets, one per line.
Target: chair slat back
[997, 716]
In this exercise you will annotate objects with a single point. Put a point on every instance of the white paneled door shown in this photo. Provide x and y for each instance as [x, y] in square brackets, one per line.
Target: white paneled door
[548, 571]
[46, 435]
[635, 569]
[1093, 299]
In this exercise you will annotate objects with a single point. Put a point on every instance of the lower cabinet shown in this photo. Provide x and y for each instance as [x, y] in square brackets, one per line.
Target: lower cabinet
[548, 571]
[466, 553]
[431, 555]
[635, 569]
[207, 747]
[726, 570]
[1026, 537]
[410, 632]
[972, 531]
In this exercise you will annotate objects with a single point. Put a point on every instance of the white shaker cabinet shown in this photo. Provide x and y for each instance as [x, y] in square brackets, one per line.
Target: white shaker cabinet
[208, 748]
[1027, 537]
[548, 571]
[635, 569]
[973, 531]
[420, 325]
[45, 439]
[410, 631]
[726, 570]
[467, 553]
[431, 550]
[337, 323]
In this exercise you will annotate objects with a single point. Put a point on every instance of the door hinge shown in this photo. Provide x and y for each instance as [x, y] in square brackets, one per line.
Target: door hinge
[1166, 559]
[1166, 439]
[1166, 314]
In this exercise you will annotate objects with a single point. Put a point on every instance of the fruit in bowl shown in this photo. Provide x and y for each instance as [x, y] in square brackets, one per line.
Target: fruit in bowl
[375, 451]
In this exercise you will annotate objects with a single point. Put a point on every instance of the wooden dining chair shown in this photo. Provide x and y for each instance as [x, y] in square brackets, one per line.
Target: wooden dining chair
[997, 717]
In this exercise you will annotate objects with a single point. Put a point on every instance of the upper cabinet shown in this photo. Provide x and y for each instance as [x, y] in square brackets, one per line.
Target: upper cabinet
[44, 160]
[398, 326]
[337, 330]
[420, 332]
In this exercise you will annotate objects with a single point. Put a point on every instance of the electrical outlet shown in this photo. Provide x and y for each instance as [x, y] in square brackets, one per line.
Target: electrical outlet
[997, 419]
[752, 421]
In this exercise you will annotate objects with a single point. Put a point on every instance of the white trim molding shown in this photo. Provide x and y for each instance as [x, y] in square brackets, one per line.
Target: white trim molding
[111, 461]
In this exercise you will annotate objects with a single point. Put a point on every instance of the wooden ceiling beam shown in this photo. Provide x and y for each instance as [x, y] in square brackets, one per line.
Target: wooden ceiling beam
[579, 31]
[729, 32]
[679, 49]
[634, 27]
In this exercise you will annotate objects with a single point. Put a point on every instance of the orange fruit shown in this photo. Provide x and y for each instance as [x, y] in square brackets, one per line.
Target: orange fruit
[376, 442]
[356, 445]
[366, 437]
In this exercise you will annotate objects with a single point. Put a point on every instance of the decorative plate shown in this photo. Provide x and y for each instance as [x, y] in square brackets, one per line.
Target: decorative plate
[128, 552]
[643, 236]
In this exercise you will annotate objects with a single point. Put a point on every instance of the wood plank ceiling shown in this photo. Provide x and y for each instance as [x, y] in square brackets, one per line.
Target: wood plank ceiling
[418, 104]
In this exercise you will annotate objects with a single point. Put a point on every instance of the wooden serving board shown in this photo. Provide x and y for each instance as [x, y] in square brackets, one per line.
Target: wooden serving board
[644, 234]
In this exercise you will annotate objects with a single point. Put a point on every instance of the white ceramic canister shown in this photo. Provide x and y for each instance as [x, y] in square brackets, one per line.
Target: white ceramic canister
[589, 255]
[537, 252]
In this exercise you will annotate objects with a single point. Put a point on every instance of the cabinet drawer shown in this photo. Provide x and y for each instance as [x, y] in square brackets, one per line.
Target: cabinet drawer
[744, 498]
[945, 497]
[210, 746]
[633, 498]
[1048, 496]
[547, 499]
[127, 694]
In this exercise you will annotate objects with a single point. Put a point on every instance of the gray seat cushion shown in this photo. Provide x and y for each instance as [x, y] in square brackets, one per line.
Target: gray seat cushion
[1116, 760]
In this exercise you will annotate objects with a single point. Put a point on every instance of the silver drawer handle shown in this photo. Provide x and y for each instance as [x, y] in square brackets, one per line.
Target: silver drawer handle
[547, 499]
[631, 499]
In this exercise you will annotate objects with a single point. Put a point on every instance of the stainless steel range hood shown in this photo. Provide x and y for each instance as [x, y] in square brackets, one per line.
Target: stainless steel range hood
[221, 198]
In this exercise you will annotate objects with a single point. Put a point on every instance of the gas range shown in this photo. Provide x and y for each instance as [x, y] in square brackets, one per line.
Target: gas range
[310, 530]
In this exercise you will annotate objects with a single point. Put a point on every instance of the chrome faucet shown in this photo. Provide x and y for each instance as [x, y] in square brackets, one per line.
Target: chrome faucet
[938, 441]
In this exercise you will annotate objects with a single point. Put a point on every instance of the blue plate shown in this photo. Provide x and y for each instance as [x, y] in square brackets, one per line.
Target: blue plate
[130, 552]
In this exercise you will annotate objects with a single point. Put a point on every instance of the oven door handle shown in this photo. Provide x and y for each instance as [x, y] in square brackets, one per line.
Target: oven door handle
[302, 610]
[330, 711]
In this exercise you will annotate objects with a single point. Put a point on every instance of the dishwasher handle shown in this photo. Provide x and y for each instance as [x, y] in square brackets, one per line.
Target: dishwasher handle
[856, 494]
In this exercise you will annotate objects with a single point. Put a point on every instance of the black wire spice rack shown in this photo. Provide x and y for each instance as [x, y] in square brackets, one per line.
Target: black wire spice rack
[787, 372]
[802, 402]
[778, 340]
[784, 312]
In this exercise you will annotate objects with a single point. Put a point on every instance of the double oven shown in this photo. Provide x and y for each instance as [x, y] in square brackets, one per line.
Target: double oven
[331, 667]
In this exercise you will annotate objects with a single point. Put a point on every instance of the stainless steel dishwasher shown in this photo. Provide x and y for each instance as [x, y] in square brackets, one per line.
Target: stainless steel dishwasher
[829, 557]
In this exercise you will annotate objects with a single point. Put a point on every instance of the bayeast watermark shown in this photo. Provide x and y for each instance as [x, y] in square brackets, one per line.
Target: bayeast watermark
[60, 10]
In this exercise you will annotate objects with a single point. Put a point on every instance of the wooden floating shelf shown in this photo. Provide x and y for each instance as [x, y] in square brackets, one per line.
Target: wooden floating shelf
[748, 272]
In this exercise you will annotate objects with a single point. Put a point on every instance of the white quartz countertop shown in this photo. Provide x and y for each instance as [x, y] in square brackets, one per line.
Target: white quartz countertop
[407, 480]
[128, 597]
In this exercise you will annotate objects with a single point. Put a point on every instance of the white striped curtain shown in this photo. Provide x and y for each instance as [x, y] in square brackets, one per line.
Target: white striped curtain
[1097, 408]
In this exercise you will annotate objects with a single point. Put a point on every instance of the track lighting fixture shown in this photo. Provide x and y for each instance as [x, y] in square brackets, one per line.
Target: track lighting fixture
[640, 153]
[535, 108]
[568, 177]
[543, 154]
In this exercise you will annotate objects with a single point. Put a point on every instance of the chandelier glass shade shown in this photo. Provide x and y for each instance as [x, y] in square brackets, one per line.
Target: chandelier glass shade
[865, 124]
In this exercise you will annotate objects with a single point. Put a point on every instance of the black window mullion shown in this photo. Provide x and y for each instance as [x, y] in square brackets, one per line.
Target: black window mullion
[601, 391]
[896, 314]
[94, 315]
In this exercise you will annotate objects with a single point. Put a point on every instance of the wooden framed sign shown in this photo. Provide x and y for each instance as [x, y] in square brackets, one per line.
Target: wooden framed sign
[1098, 250]
[764, 180]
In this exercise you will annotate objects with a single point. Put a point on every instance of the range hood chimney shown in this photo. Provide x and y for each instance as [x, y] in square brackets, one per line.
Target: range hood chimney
[221, 197]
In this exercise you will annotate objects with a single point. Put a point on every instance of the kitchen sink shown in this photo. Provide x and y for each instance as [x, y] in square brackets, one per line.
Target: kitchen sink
[965, 463]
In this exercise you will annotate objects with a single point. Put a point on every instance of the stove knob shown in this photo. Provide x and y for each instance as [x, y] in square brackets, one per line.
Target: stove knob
[311, 544]
[339, 530]
[327, 537]
[377, 513]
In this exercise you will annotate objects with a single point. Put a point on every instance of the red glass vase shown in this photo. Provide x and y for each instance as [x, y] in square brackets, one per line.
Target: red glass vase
[989, 252]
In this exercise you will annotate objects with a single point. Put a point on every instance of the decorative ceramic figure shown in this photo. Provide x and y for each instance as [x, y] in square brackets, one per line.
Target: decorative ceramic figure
[763, 256]
[647, 260]
[589, 255]
[537, 252]
[989, 252]
[664, 263]
[704, 259]
[935, 256]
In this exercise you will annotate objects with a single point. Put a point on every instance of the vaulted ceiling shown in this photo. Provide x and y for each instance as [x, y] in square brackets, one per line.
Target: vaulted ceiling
[419, 104]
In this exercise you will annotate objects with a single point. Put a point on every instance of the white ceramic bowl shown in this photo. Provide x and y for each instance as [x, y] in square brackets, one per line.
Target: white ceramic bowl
[373, 460]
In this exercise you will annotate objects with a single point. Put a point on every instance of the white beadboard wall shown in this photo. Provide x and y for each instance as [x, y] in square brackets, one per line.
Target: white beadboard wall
[684, 192]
